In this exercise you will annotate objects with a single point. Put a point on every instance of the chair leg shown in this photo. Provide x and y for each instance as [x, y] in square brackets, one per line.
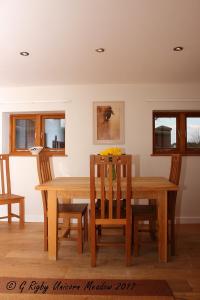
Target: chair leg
[93, 243]
[66, 230]
[124, 230]
[135, 237]
[172, 242]
[80, 235]
[99, 230]
[9, 214]
[86, 225]
[45, 234]
[152, 227]
[21, 213]
[128, 244]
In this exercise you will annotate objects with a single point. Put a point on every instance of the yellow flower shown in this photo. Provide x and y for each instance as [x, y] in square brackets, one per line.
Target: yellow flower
[111, 151]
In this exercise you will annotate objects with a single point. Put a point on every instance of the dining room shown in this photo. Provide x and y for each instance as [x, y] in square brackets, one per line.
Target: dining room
[77, 92]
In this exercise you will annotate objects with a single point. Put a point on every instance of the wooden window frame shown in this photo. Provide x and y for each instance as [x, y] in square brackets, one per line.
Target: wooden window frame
[181, 132]
[39, 133]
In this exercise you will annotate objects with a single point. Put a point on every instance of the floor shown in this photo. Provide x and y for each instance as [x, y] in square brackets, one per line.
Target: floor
[22, 255]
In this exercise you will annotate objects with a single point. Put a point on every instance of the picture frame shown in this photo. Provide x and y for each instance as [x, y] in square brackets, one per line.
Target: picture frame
[108, 122]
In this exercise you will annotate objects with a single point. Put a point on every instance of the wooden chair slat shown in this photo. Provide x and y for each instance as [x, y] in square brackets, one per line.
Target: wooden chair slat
[124, 170]
[175, 168]
[8, 177]
[2, 178]
[92, 190]
[118, 175]
[102, 178]
[110, 191]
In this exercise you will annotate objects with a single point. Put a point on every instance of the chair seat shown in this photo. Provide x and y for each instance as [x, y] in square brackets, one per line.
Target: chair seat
[72, 208]
[11, 198]
[144, 211]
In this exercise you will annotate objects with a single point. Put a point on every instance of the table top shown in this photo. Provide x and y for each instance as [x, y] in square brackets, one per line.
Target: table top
[81, 185]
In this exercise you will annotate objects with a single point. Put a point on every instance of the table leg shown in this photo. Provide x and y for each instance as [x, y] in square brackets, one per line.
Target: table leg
[52, 225]
[162, 226]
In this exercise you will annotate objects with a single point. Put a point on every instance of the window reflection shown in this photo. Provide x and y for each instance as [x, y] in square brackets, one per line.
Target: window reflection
[193, 132]
[165, 132]
[54, 133]
[25, 133]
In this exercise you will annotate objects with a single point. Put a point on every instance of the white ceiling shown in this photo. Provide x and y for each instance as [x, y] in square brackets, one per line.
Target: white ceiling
[61, 36]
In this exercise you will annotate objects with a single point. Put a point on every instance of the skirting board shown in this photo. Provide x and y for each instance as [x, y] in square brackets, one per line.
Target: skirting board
[29, 218]
[188, 220]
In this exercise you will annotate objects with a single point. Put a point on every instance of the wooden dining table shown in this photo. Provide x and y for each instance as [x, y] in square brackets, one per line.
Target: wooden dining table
[79, 188]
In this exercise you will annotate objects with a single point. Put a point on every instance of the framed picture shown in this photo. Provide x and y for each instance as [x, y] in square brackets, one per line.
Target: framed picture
[108, 127]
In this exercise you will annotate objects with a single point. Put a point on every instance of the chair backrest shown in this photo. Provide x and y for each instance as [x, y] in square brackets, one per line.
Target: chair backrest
[5, 186]
[44, 174]
[175, 170]
[110, 181]
[44, 167]
[174, 177]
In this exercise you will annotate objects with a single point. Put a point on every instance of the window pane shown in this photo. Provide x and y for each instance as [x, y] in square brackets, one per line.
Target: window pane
[54, 133]
[165, 132]
[193, 132]
[25, 133]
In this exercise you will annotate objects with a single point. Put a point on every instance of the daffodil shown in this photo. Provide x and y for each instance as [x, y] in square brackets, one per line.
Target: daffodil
[111, 151]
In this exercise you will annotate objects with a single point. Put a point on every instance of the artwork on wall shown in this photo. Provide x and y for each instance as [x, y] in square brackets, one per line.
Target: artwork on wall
[108, 127]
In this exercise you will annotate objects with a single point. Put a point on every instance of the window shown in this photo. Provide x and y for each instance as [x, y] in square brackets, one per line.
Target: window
[28, 130]
[176, 132]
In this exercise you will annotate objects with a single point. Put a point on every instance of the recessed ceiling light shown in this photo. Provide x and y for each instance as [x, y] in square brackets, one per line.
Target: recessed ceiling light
[24, 53]
[100, 50]
[179, 48]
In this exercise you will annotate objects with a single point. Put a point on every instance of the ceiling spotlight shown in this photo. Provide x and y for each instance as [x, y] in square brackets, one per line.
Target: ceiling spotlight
[100, 50]
[179, 48]
[24, 53]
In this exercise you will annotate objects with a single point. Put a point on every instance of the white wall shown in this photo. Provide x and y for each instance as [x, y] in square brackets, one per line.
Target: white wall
[140, 100]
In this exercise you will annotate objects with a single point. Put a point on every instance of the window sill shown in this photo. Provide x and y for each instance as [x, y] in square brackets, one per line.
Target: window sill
[169, 154]
[28, 153]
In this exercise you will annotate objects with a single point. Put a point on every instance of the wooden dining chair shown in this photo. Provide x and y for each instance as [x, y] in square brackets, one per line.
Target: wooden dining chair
[6, 197]
[149, 212]
[66, 211]
[109, 188]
